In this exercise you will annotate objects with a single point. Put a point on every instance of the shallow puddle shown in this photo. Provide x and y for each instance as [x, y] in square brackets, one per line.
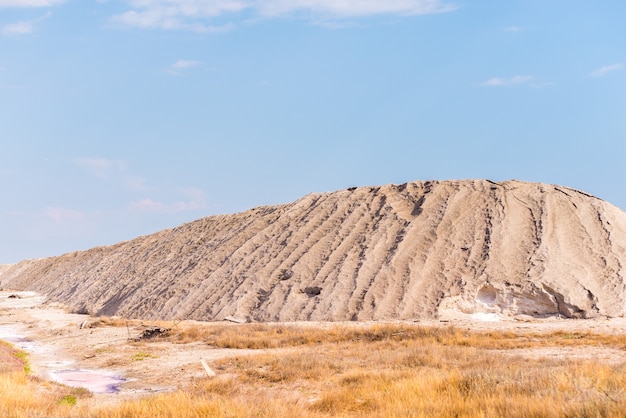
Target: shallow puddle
[94, 381]
[13, 339]
[10, 334]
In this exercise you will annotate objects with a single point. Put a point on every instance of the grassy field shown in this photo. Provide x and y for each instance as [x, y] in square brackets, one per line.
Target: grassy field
[359, 371]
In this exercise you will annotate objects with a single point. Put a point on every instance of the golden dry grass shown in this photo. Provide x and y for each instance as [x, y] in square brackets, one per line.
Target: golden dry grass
[111, 321]
[10, 358]
[267, 336]
[22, 395]
[375, 370]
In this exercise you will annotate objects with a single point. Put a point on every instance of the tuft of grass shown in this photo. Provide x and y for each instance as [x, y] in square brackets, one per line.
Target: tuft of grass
[140, 356]
[67, 400]
[22, 356]
[11, 359]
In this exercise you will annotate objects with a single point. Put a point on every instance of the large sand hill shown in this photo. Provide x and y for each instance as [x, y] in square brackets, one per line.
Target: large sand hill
[421, 250]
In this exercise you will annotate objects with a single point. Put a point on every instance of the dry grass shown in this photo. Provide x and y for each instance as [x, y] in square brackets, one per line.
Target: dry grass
[270, 336]
[393, 379]
[11, 359]
[111, 321]
[22, 395]
[376, 370]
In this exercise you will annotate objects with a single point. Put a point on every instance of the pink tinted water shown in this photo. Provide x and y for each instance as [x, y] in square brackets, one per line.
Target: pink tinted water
[96, 382]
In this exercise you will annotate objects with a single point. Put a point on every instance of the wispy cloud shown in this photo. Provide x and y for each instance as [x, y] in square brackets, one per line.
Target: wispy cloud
[499, 82]
[198, 15]
[171, 200]
[24, 27]
[354, 8]
[9, 87]
[101, 167]
[195, 199]
[601, 72]
[56, 224]
[542, 84]
[29, 3]
[112, 170]
[183, 65]
[167, 19]
[513, 29]
[190, 15]
[61, 215]
[18, 28]
[149, 205]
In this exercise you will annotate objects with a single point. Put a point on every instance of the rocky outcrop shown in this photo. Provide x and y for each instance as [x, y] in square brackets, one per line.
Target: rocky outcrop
[417, 250]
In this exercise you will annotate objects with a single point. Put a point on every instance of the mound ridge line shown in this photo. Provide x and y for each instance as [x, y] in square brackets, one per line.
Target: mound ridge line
[420, 250]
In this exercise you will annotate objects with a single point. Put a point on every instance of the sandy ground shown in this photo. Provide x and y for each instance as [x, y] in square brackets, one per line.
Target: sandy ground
[61, 342]
[58, 345]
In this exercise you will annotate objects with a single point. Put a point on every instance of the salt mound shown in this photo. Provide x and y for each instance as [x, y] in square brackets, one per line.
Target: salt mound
[475, 249]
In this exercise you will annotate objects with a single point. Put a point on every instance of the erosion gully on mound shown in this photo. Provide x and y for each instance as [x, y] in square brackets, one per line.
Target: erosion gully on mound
[421, 250]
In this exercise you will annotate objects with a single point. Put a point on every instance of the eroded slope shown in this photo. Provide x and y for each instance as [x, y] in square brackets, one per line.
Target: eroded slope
[421, 249]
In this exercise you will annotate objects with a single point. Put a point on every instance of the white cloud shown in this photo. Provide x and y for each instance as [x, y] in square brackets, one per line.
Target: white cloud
[116, 172]
[112, 170]
[601, 72]
[29, 3]
[513, 29]
[184, 64]
[351, 8]
[179, 14]
[24, 27]
[543, 84]
[62, 215]
[194, 14]
[194, 199]
[166, 19]
[55, 224]
[147, 205]
[9, 87]
[18, 28]
[497, 81]
[195, 196]
[181, 66]
[101, 167]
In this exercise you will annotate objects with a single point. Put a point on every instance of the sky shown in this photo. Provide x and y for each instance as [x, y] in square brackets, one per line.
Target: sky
[120, 118]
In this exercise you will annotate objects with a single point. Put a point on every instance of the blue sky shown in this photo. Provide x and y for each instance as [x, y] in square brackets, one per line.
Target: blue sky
[120, 118]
